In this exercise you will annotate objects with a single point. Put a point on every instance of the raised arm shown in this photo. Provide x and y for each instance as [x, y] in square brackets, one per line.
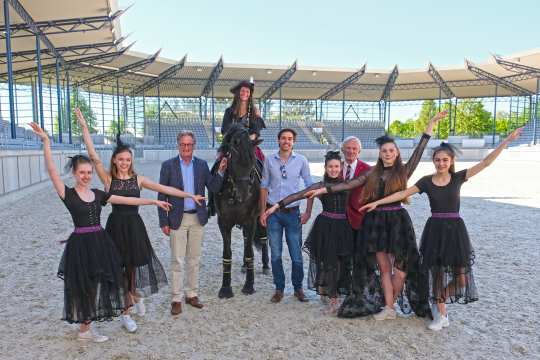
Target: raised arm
[168, 190]
[398, 196]
[51, 168]
[103, 174]
[416, 156]
[494, 154]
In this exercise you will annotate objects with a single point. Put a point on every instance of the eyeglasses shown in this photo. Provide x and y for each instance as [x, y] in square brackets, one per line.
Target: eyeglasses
[283, 171]
[186, 145]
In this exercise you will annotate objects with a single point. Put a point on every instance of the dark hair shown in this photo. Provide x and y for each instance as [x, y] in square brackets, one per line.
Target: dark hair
[120, 148]
[251, 101]
[451, 150]
[286, 130]
[76, 160]
[396, 181]
[331, 155]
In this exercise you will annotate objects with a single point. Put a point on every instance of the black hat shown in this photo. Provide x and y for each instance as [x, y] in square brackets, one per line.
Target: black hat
[244, 83]
[381, 140]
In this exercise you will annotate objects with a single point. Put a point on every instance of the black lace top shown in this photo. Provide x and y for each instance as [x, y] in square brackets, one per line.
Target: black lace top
[254, 125]
[128, 188]
[84, 213]
[410, 166]
[335, 202]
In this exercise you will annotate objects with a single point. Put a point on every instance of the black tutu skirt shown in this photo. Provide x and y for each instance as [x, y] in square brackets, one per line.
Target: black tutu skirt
[392, 232]
[330, 248]
[448, 256]
[92, 274]
[142, 269]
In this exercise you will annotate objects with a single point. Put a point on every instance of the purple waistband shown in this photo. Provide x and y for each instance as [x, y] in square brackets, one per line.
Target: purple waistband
[389, 208]
[87, 229]
[333, 215]
[445, 215]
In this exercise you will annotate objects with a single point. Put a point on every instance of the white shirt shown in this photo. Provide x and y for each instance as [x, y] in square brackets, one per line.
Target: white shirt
[353, 168]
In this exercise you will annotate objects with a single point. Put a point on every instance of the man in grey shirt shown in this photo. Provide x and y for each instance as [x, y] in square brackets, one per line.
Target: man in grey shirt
[281, 175]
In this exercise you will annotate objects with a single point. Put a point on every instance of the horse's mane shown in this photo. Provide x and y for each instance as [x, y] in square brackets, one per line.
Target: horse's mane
[245, 148]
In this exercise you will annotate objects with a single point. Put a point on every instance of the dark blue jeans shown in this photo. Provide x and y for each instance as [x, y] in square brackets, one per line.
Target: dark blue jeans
[290, 223]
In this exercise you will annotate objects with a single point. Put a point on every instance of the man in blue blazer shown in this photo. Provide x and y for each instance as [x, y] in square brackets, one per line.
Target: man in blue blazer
[184, 223]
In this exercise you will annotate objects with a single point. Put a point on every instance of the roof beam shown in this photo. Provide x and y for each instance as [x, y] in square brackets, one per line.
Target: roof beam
[63, 26]
[75, 63]
[279, 82]
[515, 67]
[440, 81]
[389, 84]
[214, 75]
[344, 84]
[170, 72]
[496, 80]
[25, 16]
[68, 51]
[133, 67]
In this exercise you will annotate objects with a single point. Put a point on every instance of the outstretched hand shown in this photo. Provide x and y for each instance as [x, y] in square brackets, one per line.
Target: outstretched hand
[198, 199]
[369, 207]
[314, 193]
[514, 135]
[164, 205]
[439, 116]
[39, 131]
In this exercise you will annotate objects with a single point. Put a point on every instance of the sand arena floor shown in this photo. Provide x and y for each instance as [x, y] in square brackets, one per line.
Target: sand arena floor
[501, 208]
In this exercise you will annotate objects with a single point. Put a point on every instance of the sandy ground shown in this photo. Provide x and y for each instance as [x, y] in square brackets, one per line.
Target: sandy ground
[500, 206]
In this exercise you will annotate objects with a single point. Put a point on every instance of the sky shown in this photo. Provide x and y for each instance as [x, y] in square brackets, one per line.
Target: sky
[336, 34]
[342, 34]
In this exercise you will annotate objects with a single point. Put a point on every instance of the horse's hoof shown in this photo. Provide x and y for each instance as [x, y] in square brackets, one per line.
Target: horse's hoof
[248, 290]
[225, 293]
[243, 269]
[266, 270]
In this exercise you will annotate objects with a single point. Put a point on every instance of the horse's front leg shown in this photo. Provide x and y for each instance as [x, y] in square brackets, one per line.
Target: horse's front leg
[249, 233]
[226, 290]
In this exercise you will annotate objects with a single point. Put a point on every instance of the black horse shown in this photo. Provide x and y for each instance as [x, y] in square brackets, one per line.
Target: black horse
[237, 204]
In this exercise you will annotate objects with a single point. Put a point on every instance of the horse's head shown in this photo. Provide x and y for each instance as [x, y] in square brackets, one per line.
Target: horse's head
[239, 149]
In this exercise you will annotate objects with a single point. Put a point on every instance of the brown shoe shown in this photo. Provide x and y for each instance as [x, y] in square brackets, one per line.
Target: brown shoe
[176, 308]
[194, 301]
[299, 294]
[278, 295]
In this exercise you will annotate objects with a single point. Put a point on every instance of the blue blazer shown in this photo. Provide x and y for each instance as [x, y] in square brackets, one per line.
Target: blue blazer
[171, 175]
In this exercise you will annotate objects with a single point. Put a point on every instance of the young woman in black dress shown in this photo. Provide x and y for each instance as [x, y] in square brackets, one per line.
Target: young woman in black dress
[90, 265]
[330, 240]
[143, 272]
[447, 253]
[388, 232]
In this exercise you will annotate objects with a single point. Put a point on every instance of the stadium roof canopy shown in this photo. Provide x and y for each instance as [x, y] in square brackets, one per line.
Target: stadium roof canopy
[85, 38]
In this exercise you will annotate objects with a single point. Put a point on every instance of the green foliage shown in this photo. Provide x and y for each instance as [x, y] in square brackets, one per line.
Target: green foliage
[77, 100]
[471, 118]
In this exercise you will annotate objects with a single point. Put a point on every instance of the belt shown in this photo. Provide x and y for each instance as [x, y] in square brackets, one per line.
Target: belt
[333, 215]
[285, 210]
[445, 215]
[194, 211]
[388, 208]
[87, 229]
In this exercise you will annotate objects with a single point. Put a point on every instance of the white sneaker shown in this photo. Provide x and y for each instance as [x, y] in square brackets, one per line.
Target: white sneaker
[139, 307]
[438, 323]
[387, 313]
[128, 323]
[92, 335]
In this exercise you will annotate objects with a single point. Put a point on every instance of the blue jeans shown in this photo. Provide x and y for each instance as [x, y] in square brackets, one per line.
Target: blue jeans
[290, 222]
